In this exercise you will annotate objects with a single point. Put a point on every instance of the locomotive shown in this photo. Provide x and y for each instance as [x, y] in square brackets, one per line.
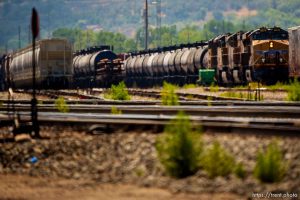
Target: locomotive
[259, 55]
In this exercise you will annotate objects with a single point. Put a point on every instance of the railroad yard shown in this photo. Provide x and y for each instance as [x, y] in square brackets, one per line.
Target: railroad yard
[113, 100]
[92, 146]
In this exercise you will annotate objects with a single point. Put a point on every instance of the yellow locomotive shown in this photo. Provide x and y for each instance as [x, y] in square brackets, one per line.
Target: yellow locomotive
[259, 55]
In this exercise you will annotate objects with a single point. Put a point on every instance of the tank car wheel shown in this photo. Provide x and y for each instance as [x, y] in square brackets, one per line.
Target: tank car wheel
[237, 76]
[226, 77]
[248, 75]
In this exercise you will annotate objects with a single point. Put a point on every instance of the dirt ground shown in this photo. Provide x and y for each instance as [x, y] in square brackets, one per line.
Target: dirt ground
[16, 187]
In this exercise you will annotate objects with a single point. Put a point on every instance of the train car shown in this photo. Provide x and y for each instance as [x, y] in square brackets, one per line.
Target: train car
[174, 64]
[259, 55]
[53, 59]
[294, 52]
[97, 66]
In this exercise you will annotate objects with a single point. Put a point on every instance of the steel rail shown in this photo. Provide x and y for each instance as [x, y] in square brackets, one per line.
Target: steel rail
[156, 102]
[236, 111]
[231, 124]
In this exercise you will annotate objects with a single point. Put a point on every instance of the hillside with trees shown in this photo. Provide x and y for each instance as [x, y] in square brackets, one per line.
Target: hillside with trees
[119, 22]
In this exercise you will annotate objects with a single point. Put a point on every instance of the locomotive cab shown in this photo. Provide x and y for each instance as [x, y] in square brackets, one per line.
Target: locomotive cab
[269, 59]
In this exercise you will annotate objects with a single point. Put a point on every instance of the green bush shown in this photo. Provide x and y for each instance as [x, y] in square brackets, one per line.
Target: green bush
[61, 105]
[179, 148]
[277, 86]
[240, 171]
[118, 92]
[115, 111]
[209, 99]
[168, 95]
[270, 166]
[214, 88]
[294, 91]
[217, 162]
[189, 86]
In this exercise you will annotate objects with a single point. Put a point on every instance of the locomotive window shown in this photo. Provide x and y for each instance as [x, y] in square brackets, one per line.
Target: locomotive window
[261, 36]
[280, 36]
[270, 35]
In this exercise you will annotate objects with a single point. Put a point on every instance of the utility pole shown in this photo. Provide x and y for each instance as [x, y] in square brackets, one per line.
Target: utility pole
[87, 38]
[29, 33]
[158, 20]
[19, 30]
[48, 15]
[146, 24]
[35, 29]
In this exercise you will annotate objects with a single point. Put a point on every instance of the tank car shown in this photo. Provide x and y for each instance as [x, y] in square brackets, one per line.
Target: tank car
[97, 66]
[53, 59]
[294, 52]
[174, 64]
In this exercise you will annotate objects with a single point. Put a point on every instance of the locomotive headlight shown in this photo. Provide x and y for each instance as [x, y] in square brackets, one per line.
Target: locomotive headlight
[271, 45]
[263, 60]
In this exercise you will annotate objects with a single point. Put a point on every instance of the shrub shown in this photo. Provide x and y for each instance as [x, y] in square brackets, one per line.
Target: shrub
[240, 171]
[214, 88]
[115, 111]
[294, 91]
[269, 165]
[118, 92]
[209, 99]
[232, 94]
[168, 95]
[277, 86]
[61, 105]
[189, 86]
[217, 162]
[179, 148]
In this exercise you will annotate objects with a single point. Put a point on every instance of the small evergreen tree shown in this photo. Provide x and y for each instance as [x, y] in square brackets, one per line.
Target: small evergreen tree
[179, 148]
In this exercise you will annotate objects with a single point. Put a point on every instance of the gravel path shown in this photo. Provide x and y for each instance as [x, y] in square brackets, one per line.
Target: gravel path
[22, 187]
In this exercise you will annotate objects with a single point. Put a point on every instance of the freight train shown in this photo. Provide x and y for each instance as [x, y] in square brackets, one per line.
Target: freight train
[258, 55]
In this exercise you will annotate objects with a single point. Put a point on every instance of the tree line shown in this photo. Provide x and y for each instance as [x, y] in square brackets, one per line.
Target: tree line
[165, 36]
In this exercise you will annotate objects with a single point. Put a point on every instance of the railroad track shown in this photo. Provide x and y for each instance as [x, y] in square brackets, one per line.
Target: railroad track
[157, 94]
[225, 115]
[230, 124]
[4, 102]
[54, 94]
[94, 94]
[262, 89]
[236, 111]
